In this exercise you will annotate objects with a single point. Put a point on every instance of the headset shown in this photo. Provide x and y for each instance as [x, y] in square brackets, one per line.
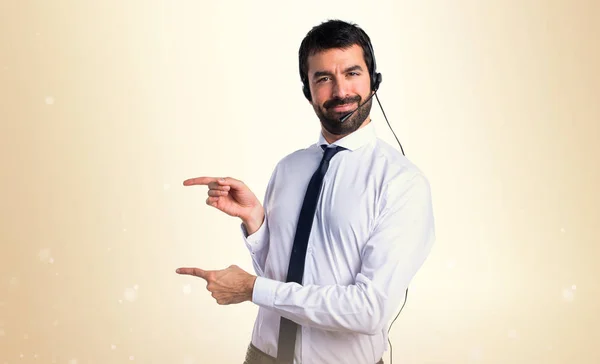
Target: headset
[376, 79]
[375, 82]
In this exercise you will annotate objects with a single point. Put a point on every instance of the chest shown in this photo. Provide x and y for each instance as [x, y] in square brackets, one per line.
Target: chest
[346, 209]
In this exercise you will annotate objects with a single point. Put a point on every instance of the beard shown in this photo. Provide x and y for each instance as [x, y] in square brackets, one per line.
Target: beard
[330, 119]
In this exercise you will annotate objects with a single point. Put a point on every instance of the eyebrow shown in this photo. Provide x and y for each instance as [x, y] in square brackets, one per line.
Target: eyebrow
[326, 73]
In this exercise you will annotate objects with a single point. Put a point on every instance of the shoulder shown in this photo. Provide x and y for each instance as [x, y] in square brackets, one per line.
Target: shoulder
[394, 163]
[399, 173]
[295, 160]
[299, 157]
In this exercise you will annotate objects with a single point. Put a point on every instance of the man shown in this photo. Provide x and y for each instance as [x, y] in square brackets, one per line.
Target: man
[333, 254]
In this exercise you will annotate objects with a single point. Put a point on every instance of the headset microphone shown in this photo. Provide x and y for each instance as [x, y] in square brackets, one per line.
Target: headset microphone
[359, 106]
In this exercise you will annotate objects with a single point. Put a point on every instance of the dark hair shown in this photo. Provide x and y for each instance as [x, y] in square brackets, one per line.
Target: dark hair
[333, 34]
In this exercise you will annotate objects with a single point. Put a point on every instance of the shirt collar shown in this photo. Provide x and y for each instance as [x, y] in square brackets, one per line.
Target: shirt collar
[353, 140]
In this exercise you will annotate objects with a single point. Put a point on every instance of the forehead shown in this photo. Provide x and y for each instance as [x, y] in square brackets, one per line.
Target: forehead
[331, 59]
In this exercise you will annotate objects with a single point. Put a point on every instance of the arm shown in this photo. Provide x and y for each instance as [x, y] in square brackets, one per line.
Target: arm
[401, 241]
[257, 243]
[255, 231]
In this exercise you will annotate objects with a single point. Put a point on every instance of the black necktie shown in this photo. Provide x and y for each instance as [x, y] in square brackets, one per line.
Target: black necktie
[288, 328]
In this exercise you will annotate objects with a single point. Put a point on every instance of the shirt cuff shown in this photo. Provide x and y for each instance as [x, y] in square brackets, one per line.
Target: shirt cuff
[256, 241]
[264, 291]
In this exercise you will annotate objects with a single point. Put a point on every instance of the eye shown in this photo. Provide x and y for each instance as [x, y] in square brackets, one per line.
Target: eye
[354, 73]
[322, 79]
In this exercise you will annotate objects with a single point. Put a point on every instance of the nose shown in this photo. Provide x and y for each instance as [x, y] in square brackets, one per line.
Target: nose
[340, 88]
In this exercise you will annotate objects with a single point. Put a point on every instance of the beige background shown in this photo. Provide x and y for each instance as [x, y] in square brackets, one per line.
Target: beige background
[107, 106]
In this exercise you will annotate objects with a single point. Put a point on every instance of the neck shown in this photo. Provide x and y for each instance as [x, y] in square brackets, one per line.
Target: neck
[332, 138]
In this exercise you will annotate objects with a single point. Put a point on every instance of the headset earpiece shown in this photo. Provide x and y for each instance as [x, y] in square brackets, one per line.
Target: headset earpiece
[376, 81]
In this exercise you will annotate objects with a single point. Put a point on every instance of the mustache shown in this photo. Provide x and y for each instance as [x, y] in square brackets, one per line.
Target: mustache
[337, 101]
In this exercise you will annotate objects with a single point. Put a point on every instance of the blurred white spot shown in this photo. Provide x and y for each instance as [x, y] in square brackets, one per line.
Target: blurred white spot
[35, 356]
[113, 346]
[130, 294]
[136, 287]
[14, 281]
[451, 264]
[120, 301]
[131, 357]
[109, 249]
[44, 255]
[55, 323]
[476, 354]
[573, 287]
[187, 289]
[51, 260]
[2, 333]
[562, 230]
[49, 100]
[124, 230]
[56, 273]
[166, 186]
[130, 329]
[21, 355]
[73, 361]
[568, 295]
[512, 334]
[25, 336]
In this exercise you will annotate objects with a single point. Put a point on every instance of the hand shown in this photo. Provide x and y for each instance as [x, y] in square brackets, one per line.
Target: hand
[230, 285]
[232, 197]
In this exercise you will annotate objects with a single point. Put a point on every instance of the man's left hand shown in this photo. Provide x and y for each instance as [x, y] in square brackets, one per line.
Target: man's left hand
[228, 286]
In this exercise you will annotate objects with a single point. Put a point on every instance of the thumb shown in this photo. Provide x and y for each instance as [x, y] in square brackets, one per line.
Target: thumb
[228, 181]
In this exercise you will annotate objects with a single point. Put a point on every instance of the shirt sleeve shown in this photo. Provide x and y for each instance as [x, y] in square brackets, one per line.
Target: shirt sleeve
[401, 240]
[258, 242]
[258, 245]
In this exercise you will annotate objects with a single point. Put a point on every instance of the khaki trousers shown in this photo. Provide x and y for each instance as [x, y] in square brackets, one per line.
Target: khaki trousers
[256, 356]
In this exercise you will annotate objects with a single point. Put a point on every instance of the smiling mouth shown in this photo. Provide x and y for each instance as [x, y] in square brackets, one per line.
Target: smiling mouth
[342, 108]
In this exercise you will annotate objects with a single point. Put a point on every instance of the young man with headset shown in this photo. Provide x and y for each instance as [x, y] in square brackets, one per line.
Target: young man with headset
[344, 226]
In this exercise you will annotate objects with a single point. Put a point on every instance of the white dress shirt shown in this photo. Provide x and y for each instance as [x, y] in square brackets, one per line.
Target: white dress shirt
[372, 231]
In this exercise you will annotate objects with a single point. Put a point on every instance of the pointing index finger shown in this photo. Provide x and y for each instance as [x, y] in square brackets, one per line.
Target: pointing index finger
[193, 272]
[199, 181]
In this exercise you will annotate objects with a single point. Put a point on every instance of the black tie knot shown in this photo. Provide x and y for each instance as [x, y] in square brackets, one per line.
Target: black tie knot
[330, 152]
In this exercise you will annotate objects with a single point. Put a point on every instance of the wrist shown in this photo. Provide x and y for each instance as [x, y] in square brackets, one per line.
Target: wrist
[253, 222]
[250, 287]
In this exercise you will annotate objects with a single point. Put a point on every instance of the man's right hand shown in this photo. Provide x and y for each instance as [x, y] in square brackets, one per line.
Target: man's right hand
[232, 197]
